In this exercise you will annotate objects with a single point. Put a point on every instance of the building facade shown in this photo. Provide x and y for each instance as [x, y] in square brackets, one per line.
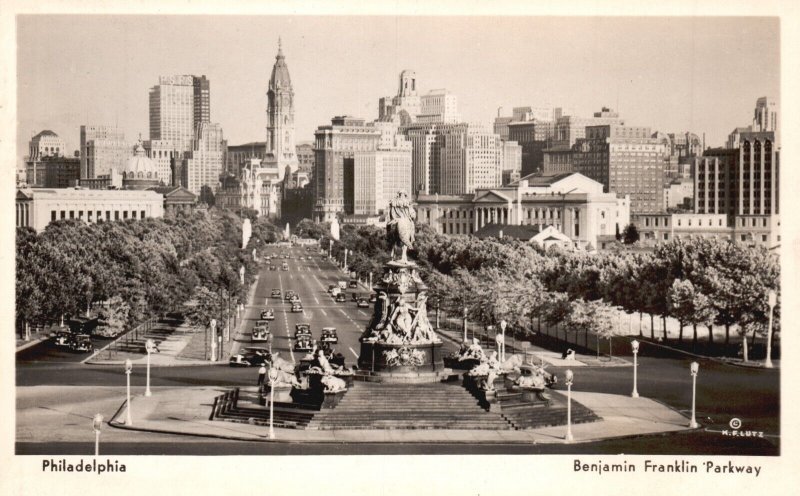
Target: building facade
[573, 204]
[337, 147]
[305, 157]
[408, 106]
[627, 161]
[470, 160]
[280, 144]
[237, 155]
[103, 148]
[52, 171]
[203, 165]
[46, 144]
[749, 230]
[37, 208]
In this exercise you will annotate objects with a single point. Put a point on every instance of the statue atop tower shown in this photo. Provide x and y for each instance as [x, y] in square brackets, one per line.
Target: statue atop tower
[280, 117]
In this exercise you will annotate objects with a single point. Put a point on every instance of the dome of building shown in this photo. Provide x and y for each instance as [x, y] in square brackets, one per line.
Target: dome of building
[139, 172]
[280, 72]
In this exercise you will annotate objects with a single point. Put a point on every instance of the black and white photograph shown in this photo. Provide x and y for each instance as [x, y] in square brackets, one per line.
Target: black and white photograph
[404, 236]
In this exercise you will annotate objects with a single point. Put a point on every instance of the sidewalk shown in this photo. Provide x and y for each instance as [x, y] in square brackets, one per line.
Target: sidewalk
[186, 410]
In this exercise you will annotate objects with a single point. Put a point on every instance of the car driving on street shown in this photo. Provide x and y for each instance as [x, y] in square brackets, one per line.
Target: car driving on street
[329, 335]
[297, 307]
[268, 314]
[276, 293]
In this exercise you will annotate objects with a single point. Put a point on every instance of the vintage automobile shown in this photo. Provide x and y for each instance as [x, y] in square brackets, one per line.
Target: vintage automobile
[329, 335]
[249, 357]
[287, 297]
[268, 314]
[342, 285]
[62, 338]
[81, 343]
[295, 299]
[353, 284]
[276, 293]
[261, 332]
[363, 303]
[331, 287]
[340, 298]
[285, 266]
[336, 291]
[302, 329]
[373, 298]
[272, 267]
[297, 307]
[304, 343]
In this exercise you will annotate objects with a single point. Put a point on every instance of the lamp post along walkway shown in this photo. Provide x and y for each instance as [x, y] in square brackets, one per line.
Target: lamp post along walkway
[128, 369]
[635, 349]
[694, 368]
[569, 375]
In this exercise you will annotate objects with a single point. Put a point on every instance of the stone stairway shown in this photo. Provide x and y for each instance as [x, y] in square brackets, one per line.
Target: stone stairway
[522, 414]
[407, 406]
[243, 406]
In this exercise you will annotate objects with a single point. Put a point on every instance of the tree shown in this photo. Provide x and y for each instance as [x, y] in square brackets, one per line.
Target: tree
[630, 234]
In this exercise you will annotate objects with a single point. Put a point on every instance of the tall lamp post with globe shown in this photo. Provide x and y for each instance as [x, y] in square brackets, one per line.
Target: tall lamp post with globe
[128, 369]
[97, 423]
[569, 376]
[465, 323]
[635, 349]
[772, 300]
[273, 376]
[694, 368]
[149, 345]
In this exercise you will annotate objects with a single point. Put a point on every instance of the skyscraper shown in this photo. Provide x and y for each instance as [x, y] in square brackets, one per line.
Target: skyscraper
[280, 117]
[204, 164]
[178, 104]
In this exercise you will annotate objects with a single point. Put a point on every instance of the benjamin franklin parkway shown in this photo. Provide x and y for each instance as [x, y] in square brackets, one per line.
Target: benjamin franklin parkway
[546, 281]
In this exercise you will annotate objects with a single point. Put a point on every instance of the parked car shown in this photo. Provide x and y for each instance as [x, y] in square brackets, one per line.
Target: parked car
[354, 296]
[353, 284]
[268, 314]
[331, 287]
[329, 335]
[336, 291]
[340, 298]
[373, 298]
[304, 343]
[342, 284]
[363, 303]
[302, 329]
[62, 338]
[249, 357]
[276, 293]
[297, 307]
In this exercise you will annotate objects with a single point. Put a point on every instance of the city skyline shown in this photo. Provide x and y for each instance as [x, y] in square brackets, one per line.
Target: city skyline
[669, 80]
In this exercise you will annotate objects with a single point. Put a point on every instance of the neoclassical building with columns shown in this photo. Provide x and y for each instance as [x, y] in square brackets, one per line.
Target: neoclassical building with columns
[570, 202]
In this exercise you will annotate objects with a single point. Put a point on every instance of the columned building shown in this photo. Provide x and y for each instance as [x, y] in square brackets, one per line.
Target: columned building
[36, 208]
[571, 203]
[280, 144]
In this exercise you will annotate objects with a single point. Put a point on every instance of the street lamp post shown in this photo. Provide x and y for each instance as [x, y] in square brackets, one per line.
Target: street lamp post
[213, 326]
[772, 300]
[437, 313]
[465, 323]
[635, 348]
[345, 260]
[370, 281]
[97, 422]
[503, 325]
[330, 248]
[149, 345]
[273, 376]
[694, 367]
[128, 369]
[568, 438]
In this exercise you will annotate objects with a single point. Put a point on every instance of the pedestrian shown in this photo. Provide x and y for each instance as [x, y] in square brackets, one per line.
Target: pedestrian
[262, 374]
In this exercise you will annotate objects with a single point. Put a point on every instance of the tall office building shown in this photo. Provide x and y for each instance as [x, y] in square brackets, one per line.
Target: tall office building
[280, 117]
[337, 147]
[178, 105]
[103, 148]
[436, 106]
[204, 164]
[470, 160]
[46, 144]
[765, 119]
[627, 161]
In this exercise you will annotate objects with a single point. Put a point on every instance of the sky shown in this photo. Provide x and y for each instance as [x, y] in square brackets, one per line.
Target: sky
[673, 74]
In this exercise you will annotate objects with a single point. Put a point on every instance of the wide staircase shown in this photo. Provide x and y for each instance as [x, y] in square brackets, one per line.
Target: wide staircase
[524, 414]
[242, 405]
[407, 406]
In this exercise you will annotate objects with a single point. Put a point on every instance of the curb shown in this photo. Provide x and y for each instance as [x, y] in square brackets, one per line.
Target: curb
[30, 344]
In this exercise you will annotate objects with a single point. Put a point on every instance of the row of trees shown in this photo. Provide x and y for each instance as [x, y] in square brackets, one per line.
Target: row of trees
[699, 282]
[138, 269]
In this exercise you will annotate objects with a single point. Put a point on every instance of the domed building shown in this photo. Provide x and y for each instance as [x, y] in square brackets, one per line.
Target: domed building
[139, 172]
